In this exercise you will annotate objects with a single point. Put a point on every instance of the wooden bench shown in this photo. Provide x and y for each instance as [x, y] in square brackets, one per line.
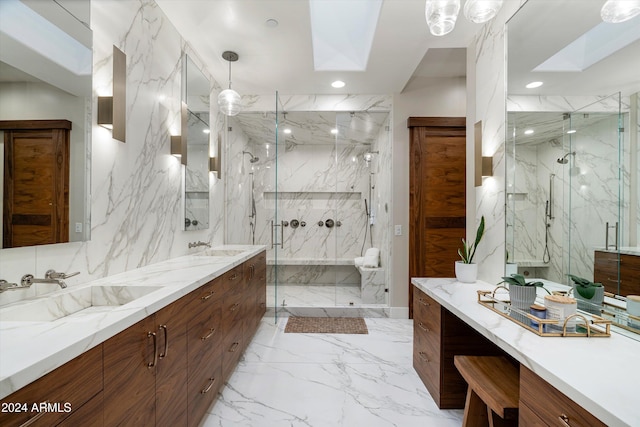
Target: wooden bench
[493, 393]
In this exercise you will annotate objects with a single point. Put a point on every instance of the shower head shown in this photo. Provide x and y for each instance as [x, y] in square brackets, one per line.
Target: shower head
[563, 160]
[253, 158]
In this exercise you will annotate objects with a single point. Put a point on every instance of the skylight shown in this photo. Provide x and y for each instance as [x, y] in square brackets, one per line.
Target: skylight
[342, 33]
[596, 44]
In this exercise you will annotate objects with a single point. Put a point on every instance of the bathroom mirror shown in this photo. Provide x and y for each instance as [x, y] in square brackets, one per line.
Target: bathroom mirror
[571, 144]
[45, 121]
[198, 138]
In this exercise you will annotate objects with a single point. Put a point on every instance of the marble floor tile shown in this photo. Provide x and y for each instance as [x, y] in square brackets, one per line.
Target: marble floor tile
[328, 380]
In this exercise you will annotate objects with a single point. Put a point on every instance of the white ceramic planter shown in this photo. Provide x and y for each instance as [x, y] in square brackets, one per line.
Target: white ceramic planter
[466, 273]
[522, 297]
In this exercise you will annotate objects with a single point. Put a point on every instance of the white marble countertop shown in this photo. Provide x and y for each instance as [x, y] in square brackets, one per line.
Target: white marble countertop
[31, 349]
[600, 374]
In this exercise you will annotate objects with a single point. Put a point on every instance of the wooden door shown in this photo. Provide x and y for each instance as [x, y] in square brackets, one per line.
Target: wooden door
[36, 182]
[437, 198]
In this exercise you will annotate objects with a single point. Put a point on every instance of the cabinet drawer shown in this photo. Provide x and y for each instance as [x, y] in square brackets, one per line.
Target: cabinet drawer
[426, 362]
[528, 418]
[426, 310]
[550, 405]
[89, 415]
[232, 282]
[231, 351]
[203, 392]
[75, 383]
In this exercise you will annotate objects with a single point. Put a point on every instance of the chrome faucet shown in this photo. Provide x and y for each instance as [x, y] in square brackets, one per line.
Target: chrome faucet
[50, 276]
[198, 243]
[6, 286]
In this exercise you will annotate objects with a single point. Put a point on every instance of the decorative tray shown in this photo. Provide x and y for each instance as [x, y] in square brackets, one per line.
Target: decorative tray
[591, 326]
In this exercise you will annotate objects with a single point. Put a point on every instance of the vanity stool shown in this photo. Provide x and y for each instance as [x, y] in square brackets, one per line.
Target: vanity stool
[493, 392]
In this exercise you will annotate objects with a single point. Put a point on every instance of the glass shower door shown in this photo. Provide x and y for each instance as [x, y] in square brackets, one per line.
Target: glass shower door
[594, 172]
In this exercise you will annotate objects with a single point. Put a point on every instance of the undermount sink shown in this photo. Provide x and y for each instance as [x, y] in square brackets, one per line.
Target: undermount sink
[221, 252]
[71, 301]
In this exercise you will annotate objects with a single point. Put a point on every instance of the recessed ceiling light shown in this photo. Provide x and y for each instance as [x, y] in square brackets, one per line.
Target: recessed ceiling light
[334, 131]
[534, 85]
[271, 23]
[528, 131]
[287, 131]
[338, 84]
[206, 131]
[571, 131]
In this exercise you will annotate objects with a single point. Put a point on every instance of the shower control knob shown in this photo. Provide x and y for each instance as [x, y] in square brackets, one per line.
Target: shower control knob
[338, 223]
[285, 223]
[294, 223]
[320, 223]
[329, 223]
[303, 224]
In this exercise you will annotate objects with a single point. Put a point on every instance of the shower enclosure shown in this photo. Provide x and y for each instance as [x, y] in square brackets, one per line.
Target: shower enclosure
[566, 193]
[313, 186]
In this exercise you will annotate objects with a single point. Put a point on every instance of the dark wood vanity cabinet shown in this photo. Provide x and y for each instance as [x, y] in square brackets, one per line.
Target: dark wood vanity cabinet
[438, 335]
[541, 404]
[165, 370]
[66, 391]
[605, 271]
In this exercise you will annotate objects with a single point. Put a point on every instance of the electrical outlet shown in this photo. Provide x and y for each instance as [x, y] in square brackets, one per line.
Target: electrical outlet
[398, 230]
[78, 227]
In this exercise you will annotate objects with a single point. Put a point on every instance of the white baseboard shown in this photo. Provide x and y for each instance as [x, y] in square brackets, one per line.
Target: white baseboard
[399, 313]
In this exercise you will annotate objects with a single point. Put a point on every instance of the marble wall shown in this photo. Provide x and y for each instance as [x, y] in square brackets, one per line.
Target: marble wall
[136, 187]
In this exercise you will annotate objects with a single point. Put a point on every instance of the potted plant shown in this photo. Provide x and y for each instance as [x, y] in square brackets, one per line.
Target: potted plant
[466, 270]
[590, 295]
[522, 294]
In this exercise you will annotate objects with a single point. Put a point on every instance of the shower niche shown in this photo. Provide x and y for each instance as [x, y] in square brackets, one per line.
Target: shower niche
[315, 197]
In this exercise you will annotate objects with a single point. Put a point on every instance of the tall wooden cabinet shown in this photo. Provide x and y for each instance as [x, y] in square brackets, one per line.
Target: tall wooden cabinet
[437, 201]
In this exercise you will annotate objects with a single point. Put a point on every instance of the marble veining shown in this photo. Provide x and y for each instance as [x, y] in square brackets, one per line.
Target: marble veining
[329, 380]
[562, 362]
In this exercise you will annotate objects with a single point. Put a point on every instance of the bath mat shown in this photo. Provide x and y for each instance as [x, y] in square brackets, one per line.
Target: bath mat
[326, 325]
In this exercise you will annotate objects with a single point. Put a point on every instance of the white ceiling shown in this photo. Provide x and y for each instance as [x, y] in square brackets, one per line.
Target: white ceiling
[281, 58]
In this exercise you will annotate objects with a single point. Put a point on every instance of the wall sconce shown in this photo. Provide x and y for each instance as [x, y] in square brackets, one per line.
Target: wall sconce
[483, 165]
[487, 166]
[215, 163]
[179, 142]
[112, 109]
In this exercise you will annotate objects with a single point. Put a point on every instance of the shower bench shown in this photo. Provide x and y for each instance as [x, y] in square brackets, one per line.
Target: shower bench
[372, 280]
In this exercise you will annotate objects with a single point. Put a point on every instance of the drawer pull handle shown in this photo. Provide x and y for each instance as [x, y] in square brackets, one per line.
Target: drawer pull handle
[423, 356]
[166, 342]
[209, 295]
[564, 420]
[424, 328]
[155, 349]
[424, 302]
[234, 347]
[34, 419]
[209, 335]
[208, 387]
[234, 307]
[234, 276]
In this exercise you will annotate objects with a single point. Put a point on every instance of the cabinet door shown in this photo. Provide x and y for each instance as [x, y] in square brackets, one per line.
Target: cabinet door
[550, 405]
[171, 371]
[75, 382]
[129, 376]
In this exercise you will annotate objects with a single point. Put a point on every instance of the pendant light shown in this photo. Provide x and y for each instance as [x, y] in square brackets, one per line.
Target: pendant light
[615, 11]
[441, 15]
[480, 11]
[229, 101]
